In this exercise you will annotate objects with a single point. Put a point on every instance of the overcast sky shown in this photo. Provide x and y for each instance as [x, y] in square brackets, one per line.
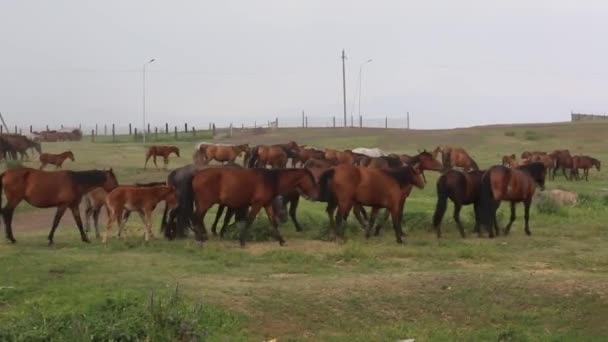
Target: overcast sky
[449, 63]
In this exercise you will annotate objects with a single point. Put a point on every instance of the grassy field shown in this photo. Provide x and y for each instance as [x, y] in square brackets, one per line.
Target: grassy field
[551, 286]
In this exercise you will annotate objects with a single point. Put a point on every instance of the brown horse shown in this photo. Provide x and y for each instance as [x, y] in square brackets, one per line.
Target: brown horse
[243, 188]
[141, 199]
[162, 151]
[455, 157]
[343, 157]
[275, 156]
[20, 144]
[42, 189]
[508, 160]
[462, 188]
[515, 185]
[563, 160]
[222, 153]
[55, 159]
[546, 159]
[346, 185]
[307, 153]
[585, 163]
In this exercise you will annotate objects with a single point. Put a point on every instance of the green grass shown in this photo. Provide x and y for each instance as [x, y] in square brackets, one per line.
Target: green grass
[551, 286]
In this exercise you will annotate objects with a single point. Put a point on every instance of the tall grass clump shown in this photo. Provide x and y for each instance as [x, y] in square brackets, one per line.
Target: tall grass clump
[509, 133]
[549, 206]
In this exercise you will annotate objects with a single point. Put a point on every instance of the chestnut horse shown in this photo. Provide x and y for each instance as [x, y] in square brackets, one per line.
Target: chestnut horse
[515, 185]
[275, 156]
[55, 159]
[508, 160]
[242, 188]
[455, 157]
[42, 189]
[563, 160]
[222, 153]
[162, 151]
[546, 159]
[585, 163]
[306, 153]
[344, 157]
[462, 188]
[141, 199]
[346, 185]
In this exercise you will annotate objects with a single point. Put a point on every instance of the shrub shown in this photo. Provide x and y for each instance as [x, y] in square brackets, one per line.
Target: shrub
[548, 205]
[531, 135]
[509, 134]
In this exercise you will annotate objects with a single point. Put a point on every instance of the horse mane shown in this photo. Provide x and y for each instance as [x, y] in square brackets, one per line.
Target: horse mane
[533, 169]
[89, 177]
[402, 175]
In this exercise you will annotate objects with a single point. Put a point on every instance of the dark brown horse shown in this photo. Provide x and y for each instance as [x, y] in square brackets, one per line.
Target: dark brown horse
[42, 189]
[346, 186]
[222, 153]
[136, 198]
[247, 188]
[55, 159]
[20, 144]
[583, 163]
[563, 160]
[160, 151]
[462, 188]
[515, 185]
[306, 153]
[455, 157]
[275, 156]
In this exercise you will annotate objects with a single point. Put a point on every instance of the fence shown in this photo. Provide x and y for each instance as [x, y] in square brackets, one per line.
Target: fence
[587, 117]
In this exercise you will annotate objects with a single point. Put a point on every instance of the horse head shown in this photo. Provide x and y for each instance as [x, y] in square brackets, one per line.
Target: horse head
[110, 182]
[426, 161]
[176, 150]
[416, 176]
[70, 155]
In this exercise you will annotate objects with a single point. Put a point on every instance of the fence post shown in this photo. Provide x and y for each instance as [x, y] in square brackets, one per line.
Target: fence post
[95, 129]
[148, 129]
[61, 126]
[360, 121]
[113, 133]
[15, 129]
[276, 122]
[20, 131]
[80, 126]
[156, 133]
[166, 128]
[193, 131]
[130, 131]
[175, 132]
[334, 122]
[213, 129]
[386, 122]
[47, 127]
[31, 129]
[135, 134]
[185, 127]
[92, 135]
[306, 121]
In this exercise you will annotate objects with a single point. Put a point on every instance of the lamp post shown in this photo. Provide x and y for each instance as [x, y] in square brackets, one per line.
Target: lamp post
[361, 82]
[144, 99]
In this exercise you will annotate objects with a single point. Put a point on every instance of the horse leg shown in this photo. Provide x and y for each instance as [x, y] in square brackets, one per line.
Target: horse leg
[58, 215]
[586, 173]
[477, 217]
[495, 219]
[96, 213]
[343, 210]
[360, 215]
[146, 216]
[255, 209]
[147, 158]
[154, 160]
[396, 215]
[111, 219]
[511, 219]
[76, 213]
[293, 207]
[275, 225]
[7, 215]
[165, 161]
[457, 208]
[122, 221]
[330, 209]
[379, 225]
[219, 213]
[229, 213]
[527, 216]
[372, 220]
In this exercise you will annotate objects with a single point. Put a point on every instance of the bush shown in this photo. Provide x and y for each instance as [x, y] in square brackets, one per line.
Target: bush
[509, 134]
[548, 205]
[531, 135]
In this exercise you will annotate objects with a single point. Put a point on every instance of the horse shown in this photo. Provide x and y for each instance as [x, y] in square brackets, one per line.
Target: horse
[383, 162]
[462, 188]
[177, 221]
[543, 158]
[55, 159]
[508, 160]
[515, 185]
[585, 163]
[455, 157]
[307, 153]
[21, 144]
[243, 188]
[222, 153]
[346, 185]
[42, 189]
[141, 199]
[275, 156]
[163, 151]
[563, 160]
[95, 200]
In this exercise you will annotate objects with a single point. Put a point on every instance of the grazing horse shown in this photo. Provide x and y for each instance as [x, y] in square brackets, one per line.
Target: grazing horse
[546, 159]
[42, 189]
[584, 163]
[346, 185]
[141, 199]
[455, 157]
[222, 153]
[563, 160]
[20, 144]
[515, 185]
[162, 151]
[462, 188]
[243, 188]
[275, 156]
[55, 159]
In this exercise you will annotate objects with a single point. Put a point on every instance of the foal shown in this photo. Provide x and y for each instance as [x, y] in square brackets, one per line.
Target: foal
[160, 151]
[140, 199]
[55, 159]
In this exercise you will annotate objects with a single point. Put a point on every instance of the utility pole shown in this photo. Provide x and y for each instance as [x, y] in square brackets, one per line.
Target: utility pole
[408, 120]
[143, 131]
[344, 83]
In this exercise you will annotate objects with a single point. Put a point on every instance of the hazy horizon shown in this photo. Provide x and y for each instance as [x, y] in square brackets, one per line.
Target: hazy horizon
[450, 64]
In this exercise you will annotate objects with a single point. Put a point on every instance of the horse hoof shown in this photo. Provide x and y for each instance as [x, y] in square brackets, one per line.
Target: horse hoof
[86, 240]
[12, 241]
[51, 243]
[282, 243]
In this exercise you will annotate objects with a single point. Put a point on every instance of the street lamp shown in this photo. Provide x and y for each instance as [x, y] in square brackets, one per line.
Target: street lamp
[144, 99]
[360, 82]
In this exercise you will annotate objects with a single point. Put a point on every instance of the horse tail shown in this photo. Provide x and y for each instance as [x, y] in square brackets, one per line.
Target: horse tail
[486, 199]
[442, 201]
[163, 222]
[253, 158]
[324, 191]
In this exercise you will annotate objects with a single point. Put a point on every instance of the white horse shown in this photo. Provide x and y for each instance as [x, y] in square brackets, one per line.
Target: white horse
[370, 152]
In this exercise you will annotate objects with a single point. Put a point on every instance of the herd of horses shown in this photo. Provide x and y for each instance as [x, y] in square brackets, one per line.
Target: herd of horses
[367, 182]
